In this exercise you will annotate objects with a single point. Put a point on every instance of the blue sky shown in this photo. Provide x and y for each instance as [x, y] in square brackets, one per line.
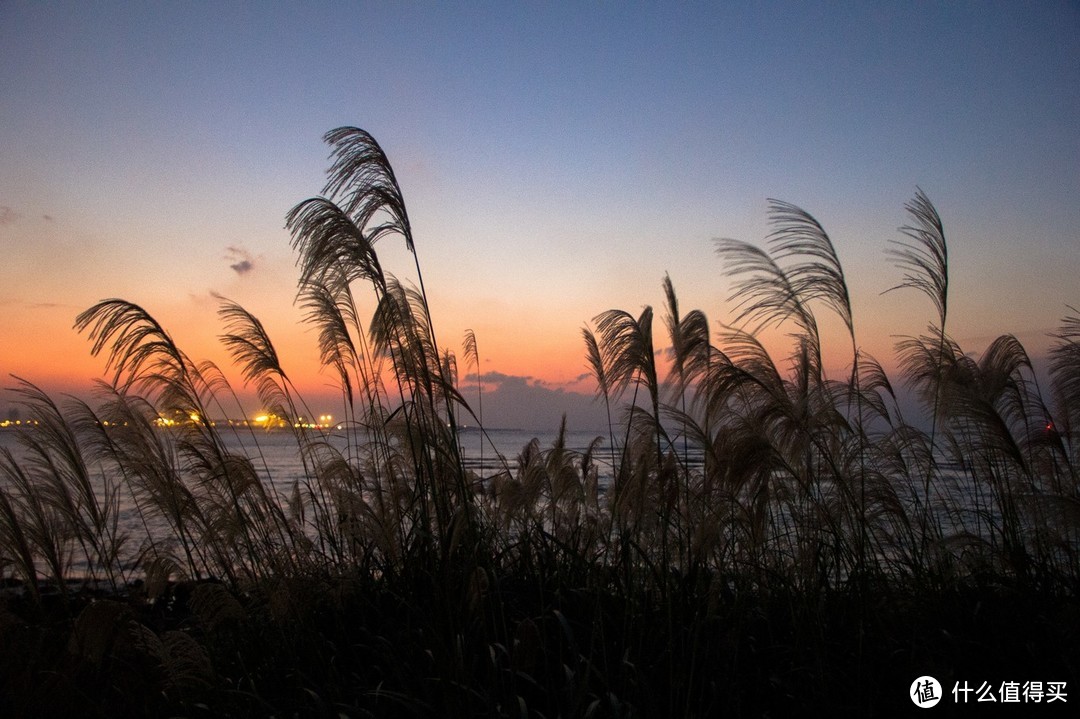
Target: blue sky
[557, 159]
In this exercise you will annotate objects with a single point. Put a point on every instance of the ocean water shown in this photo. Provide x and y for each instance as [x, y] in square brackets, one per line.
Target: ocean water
[278, 460]
[276, 457]
[275, 452]
[485, 453]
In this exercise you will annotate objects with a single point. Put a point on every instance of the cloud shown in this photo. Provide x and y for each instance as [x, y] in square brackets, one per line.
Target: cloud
[499, 378]
[524, 402]
[240, 260]
[24, 305]
[8, 215]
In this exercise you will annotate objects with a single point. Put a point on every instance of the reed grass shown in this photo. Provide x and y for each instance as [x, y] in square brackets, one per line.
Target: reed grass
[767, 540]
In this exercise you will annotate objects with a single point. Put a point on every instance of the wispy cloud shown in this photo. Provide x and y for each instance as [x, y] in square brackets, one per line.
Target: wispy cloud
[8, 215]
[240, 260]
[24, 305]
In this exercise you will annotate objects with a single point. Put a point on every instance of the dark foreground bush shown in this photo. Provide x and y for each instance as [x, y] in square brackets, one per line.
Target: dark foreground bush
[346, 647]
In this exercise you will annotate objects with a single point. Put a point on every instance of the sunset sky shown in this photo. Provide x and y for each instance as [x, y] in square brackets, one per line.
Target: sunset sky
[556, 160]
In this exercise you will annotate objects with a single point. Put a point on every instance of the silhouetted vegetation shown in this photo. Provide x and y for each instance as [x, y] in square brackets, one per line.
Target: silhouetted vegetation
[771, 539]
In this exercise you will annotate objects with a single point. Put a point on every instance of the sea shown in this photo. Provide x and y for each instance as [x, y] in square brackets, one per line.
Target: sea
[276, 450]
[276, 456]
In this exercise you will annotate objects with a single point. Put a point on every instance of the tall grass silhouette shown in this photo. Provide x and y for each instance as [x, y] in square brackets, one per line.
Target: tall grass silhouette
[744, 516]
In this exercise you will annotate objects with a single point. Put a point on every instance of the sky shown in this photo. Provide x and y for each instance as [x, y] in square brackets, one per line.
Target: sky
[557, 159]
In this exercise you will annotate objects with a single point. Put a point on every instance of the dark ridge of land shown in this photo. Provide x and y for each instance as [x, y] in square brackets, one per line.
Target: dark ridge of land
[520, 646]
